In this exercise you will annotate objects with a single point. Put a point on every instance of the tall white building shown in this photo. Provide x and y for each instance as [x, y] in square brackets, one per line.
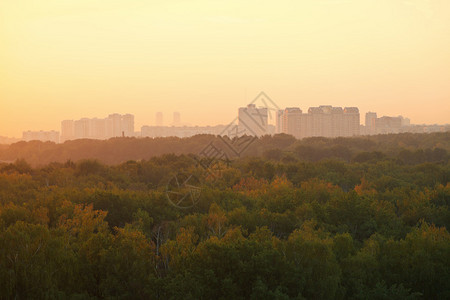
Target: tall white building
[292, 121]
[253, 120]
[82, 128]
[279, 121]
[128, 125]
[115, 125]
[324, 121]
[405, 121]
[370, 122]
[351, 121]
[67, 130]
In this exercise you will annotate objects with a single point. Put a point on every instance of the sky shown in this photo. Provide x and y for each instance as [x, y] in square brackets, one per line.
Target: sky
[68, 59]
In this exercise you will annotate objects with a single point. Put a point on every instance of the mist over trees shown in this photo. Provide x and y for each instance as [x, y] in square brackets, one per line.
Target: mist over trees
[412, 148]
[346, 218]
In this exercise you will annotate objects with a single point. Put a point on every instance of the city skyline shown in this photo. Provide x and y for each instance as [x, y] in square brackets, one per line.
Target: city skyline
[168, 119]
[159, 121]
[204, 58]
[252, 120]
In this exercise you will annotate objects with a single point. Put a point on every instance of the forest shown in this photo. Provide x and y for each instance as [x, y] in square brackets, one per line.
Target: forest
[318, 218]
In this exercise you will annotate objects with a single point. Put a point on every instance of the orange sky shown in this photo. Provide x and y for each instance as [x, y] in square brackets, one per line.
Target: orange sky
[67, 59]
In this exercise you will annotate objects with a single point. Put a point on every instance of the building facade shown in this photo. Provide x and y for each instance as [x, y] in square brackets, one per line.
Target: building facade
[325, 120]
[181, 131]
[253, 120]
[115, 125]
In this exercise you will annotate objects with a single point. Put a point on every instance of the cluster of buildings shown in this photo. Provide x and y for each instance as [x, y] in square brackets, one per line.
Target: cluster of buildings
[325, 120]
[115, 125]
[384, 125]
[159, 117]
[252, 120]
[179, 131]
[45, 136]
[176, 130]
[246, 125]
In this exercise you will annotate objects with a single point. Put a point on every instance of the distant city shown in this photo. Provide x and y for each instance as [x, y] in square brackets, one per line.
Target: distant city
[322, 121]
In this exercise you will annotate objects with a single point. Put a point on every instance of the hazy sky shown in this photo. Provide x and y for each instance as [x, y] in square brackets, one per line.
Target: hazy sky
[67, 59]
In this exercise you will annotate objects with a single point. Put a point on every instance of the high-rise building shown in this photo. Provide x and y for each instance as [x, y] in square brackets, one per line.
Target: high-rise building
[109, 128]
[279, 121]
[82, 128]
[253, 120]
[388, 125]
[324, 121]
[337, 118]
[292, 121]
[351, 121]
[159, 119]
[128, 125]
[370, 122]
[115, 125]
[405, 121]
[67, 130]
[315, 115]
[370, 119]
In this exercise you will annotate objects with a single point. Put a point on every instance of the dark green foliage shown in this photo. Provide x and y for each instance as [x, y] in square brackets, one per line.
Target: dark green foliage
[360, 218]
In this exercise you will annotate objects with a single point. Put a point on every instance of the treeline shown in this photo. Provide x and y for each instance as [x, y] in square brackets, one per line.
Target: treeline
[408, 147]
[274, 226]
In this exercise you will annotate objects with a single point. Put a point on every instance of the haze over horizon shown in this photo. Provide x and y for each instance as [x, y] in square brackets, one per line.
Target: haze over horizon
[89, 58]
